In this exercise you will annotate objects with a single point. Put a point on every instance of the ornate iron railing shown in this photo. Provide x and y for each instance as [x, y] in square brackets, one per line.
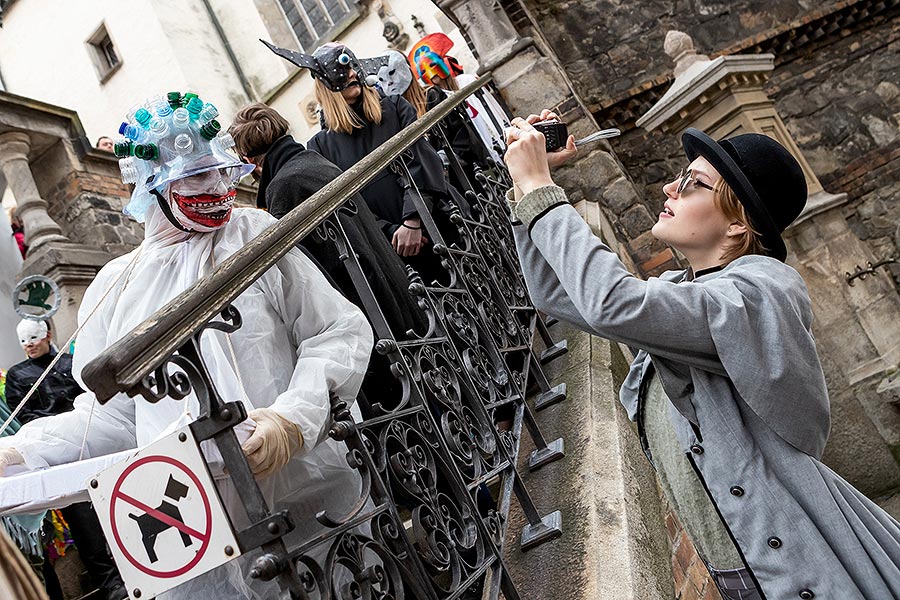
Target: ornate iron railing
[437, 462]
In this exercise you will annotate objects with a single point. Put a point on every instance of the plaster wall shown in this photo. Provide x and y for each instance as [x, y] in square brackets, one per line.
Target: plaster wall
[174, 46]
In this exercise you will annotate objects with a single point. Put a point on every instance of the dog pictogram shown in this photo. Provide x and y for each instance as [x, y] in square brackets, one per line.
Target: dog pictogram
[151, 525]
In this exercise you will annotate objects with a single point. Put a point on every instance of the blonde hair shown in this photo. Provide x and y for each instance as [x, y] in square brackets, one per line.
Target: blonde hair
[415, 95]
[749, 242]
[256, 127]
[338, 114]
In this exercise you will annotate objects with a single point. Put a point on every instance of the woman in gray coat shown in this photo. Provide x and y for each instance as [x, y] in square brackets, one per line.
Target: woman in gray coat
[727, 390]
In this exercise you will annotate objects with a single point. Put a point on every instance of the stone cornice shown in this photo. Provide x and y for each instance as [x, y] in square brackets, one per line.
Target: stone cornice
[816, 29]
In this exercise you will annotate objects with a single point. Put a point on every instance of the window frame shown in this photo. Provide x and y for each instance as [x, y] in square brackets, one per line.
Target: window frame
[100, 44]
[354, 13]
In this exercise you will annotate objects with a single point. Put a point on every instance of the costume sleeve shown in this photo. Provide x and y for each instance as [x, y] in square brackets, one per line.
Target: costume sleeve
[57, 439]
[333, 341]
[661, 317]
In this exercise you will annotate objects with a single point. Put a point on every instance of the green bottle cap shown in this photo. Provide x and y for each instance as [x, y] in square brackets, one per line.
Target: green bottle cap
[146, 151]
[210, 130]
[123, 149]
[174, 99]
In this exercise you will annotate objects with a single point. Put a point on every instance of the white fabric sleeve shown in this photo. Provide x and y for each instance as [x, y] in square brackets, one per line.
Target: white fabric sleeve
[57, 439]
[333, 340]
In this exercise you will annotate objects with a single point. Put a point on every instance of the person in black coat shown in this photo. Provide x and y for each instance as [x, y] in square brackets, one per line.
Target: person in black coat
[55, 395]
[288, 174]
[356, 120]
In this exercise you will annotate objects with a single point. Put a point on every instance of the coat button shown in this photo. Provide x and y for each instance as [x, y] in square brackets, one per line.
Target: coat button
[774, 542]
[737, 491]
[689, 388]
[807, 594]
[697, 449]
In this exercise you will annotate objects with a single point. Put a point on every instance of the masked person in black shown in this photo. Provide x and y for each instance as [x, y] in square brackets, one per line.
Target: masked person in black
[356, 120]
[55, 395]
[288, 174]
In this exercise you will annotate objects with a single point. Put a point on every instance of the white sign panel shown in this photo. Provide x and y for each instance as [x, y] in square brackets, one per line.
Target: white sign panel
[162, 516]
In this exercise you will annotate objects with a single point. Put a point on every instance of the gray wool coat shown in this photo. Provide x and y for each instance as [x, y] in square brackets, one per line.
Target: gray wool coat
[736, 356]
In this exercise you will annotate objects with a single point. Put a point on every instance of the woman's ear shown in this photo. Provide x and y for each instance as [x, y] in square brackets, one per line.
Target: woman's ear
[736, 229]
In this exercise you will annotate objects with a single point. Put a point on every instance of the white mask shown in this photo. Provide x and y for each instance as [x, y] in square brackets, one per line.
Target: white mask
[30, 331]
[396, 77]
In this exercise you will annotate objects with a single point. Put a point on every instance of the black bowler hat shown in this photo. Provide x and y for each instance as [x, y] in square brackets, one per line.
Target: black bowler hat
[765, 177]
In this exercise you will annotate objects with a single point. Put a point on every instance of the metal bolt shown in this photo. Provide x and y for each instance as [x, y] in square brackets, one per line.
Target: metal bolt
[182, 437]
[229, 551]
[273, 528]
[136, 593]
[94, 483]
[225, 414]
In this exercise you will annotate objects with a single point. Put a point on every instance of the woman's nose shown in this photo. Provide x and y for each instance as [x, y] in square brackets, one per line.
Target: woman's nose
[669, 188]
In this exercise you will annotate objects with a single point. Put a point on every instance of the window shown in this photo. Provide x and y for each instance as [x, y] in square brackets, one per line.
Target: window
[317, 21]
[103, 53]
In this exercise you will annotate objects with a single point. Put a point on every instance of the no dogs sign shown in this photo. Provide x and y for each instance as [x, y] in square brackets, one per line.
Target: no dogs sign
[162, 516]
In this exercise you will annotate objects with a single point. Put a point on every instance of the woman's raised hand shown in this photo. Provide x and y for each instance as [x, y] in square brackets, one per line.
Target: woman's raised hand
[526, 154]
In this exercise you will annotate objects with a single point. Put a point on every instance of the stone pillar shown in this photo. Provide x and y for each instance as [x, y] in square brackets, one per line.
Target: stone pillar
[857, 329]
[32, 209]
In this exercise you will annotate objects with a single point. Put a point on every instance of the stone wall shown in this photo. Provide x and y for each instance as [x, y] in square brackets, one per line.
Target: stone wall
[836, 85]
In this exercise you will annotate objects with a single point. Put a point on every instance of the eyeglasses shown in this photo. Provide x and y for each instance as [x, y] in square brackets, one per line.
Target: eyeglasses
[687, 176]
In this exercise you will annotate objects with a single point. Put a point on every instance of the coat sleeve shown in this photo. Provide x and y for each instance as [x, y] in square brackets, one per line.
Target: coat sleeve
[665, 319]
[111, 428]
[15, 393]
[333, 342]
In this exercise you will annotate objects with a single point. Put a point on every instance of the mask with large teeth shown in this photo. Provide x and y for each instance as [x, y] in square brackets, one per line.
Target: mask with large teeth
[203, 202]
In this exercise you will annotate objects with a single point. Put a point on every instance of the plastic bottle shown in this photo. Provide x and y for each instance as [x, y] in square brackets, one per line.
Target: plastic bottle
[181, 118]
[129, 169]
[210, 130]
[129, 117]
[123, 147]
[183, 144]
[224, 140]
[161, 107]
[158, 127]
[143, 116]
[208, 113]
[146, 151]
[194, 106]
[133, 132]
[174, 99]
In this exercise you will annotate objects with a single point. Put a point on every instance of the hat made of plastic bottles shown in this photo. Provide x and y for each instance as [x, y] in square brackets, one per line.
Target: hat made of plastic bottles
[171, 137]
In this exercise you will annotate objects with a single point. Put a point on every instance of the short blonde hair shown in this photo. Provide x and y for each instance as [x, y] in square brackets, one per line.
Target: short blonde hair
[256, 127]
[750, 242]
[339, 116]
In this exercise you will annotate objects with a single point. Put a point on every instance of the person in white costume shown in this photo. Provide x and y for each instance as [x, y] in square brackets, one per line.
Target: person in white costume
[300, 339]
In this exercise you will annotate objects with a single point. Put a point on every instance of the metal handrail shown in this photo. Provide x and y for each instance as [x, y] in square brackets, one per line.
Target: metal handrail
[123, 365]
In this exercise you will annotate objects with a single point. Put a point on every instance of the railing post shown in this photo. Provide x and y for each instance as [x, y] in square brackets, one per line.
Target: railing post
[32, 209]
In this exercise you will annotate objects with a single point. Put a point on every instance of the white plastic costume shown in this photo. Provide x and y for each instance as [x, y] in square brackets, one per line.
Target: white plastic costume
[300, 338]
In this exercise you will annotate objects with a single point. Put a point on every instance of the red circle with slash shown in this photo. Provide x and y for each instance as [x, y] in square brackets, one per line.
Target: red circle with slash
[118, 494]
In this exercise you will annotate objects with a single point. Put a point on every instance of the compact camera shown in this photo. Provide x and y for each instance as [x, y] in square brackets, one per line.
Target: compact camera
[555, 132]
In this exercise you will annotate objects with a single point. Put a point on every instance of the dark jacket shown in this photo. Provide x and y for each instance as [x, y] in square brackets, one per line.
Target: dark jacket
[384, 194]
[56, 393]
[291, 174]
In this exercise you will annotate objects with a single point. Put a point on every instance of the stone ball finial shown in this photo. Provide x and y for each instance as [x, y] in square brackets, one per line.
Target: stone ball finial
[680, 47]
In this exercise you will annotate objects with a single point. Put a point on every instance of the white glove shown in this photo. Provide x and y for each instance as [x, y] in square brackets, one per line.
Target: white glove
[9, 457]
[272, 443]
